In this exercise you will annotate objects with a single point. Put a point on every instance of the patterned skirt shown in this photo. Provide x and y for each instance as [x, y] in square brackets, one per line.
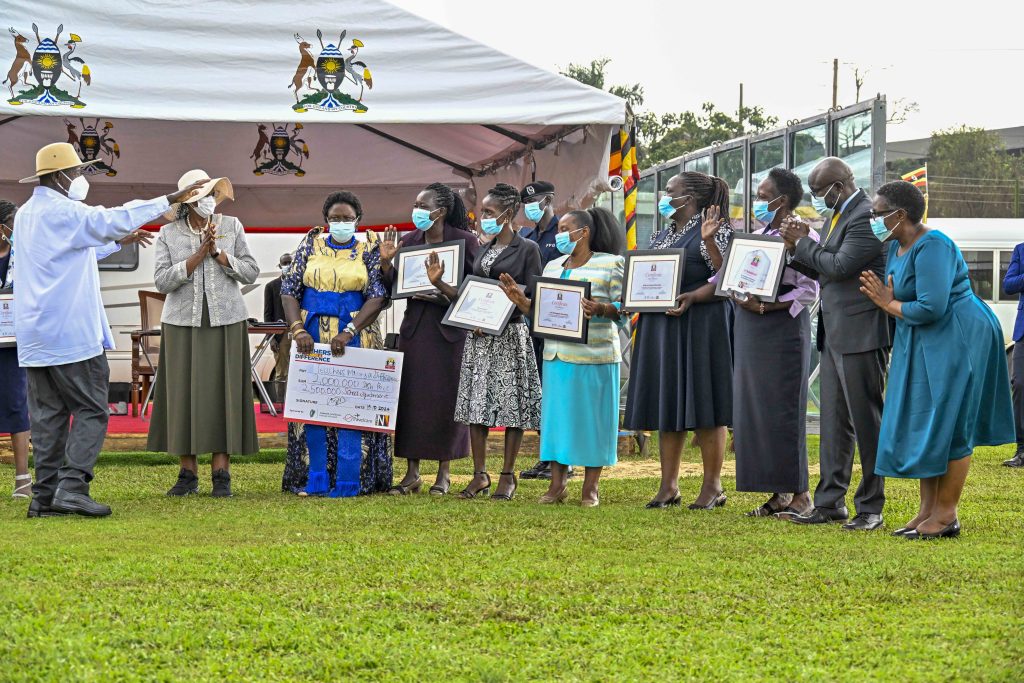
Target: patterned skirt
[499, 385]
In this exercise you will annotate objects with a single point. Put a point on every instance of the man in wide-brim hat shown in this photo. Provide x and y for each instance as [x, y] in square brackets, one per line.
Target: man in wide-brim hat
[61, 326]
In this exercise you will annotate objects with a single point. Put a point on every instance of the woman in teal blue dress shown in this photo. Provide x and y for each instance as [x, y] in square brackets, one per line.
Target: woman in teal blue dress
[948, 389]
[580, 403]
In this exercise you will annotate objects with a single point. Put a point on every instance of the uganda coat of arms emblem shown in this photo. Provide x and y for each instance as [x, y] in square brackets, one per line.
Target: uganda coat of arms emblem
[332, 70]
[47, 64]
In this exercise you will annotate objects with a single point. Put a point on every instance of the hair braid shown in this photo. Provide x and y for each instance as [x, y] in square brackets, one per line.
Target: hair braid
[451, 202]
[508, 197]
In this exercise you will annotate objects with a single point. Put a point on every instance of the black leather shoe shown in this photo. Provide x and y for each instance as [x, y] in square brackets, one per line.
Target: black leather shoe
[864, 521]
[78, 504]
[952, 530]
[221, 484]
[542, 470]
[187, 484]
[821, 516]
[1017, 460]
[39, 509]
[671, 502]
[902, 531]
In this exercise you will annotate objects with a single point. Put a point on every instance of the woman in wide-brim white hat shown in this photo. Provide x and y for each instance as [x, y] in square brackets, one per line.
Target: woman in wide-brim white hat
[203, 393]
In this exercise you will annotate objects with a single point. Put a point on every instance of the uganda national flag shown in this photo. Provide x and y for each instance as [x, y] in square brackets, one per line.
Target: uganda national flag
[919, 179]
[622, 162]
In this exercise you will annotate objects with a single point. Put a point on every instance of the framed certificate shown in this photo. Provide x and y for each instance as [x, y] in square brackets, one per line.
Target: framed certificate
[558, 309]
[752, 266]
[481, 305]
[652, 279]
[6, 318]
[411, 268]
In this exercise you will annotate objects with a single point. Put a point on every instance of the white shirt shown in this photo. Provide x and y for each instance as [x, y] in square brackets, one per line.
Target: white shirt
[58, 310]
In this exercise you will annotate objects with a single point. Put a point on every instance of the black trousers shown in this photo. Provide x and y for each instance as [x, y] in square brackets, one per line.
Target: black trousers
[65, 452]
[1017, 383]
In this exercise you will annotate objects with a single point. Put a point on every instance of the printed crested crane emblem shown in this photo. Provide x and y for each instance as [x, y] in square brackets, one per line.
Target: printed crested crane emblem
[330, 81]
[273, 153]
[94, 144]
[47, 65]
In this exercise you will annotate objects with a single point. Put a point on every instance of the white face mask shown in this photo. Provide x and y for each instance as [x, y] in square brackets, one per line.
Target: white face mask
[205, 206]
[78, 189]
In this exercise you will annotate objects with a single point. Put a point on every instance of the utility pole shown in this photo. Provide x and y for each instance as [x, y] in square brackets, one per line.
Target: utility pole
[835, 83]
[740, 116]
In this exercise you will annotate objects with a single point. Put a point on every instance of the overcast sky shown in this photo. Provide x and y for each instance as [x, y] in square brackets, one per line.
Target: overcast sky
[962, 63]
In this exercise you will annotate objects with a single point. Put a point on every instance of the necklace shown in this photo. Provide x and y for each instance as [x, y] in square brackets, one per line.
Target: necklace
[195, 231]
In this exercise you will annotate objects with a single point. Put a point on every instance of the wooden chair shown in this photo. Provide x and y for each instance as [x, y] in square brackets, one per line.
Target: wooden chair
[151, 306]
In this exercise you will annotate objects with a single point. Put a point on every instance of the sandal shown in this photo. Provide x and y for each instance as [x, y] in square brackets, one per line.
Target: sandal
[466, 493]
[22, 490]
[789, 512]
[436, 490]
[765, 510]
[511, 494]
[406, 489]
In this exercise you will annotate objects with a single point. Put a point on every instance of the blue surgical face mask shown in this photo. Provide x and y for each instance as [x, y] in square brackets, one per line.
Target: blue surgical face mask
[491, 226]
[665, 207]
[343, 232]
[421, 219]
[533, 211]
[564, 243]
[878, 227]
[762, 212]
[820, 205]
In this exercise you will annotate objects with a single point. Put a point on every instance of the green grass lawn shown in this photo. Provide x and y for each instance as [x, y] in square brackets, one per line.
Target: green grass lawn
[268, 586]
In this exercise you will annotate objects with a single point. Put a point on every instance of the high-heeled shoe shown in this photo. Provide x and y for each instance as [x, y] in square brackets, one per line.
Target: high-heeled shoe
[951, 530]
[552, 498]
[656, 504]
[716, 502]
[511, 494]
[406, 489]
[467, 494]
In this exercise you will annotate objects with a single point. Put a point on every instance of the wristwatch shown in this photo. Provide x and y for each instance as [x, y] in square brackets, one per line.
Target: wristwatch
[351, 329]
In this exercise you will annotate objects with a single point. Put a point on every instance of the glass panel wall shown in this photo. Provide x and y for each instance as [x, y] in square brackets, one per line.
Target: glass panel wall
[807, 148]
[646, 211]
[700, 164]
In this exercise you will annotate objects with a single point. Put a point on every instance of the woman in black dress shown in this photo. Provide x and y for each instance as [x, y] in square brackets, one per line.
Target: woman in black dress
[772, 354]
[681, 369]
[433, 352]
[14, 396]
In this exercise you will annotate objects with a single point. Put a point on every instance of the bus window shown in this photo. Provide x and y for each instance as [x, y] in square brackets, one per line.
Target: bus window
[1004, 265]
[853, 145]
[646, 210]
[807, 148]
[980, 270]
[126, 259]
[729, 167]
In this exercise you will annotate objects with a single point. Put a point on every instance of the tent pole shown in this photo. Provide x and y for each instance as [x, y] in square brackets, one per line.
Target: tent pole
[521, 139]
[419, 150]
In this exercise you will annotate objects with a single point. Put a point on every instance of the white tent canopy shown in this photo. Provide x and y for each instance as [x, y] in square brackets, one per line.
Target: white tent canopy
[153, 89]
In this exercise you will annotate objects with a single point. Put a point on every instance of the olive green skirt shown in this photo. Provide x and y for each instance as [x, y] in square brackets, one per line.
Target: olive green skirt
[203, 399]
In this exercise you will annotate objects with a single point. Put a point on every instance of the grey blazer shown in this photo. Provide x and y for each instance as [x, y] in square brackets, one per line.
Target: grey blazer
[849, 321]
[184, 304]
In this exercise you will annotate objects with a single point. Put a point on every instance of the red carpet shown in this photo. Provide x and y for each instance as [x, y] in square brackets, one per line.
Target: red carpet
[126, 424]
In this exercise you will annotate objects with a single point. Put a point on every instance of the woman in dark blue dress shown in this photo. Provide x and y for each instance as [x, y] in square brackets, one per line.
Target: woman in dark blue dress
[681, 369]
[948, 388]
[14, 397]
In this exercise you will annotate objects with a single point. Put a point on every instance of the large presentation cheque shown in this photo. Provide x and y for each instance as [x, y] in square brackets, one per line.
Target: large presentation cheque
[356, 391]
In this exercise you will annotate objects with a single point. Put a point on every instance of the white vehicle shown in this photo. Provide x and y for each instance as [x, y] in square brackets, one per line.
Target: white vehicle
[987, 245]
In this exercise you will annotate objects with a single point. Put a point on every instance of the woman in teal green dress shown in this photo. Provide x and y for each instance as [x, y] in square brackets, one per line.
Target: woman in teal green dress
[580, 402]
[948, 388]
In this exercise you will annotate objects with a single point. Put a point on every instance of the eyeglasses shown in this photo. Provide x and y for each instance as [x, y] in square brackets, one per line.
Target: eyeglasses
[884, 213]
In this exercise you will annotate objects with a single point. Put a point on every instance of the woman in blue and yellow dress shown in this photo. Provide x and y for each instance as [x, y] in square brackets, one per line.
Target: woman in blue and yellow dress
[333, 295]
[580, 399]
[948, 388]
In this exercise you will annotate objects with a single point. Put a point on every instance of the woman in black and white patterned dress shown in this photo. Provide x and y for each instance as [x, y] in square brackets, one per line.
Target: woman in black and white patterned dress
[499, 385]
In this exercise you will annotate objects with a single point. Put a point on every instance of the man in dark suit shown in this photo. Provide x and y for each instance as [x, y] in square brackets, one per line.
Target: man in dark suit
[273, 311]
[1013, 283]
[854, 341]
